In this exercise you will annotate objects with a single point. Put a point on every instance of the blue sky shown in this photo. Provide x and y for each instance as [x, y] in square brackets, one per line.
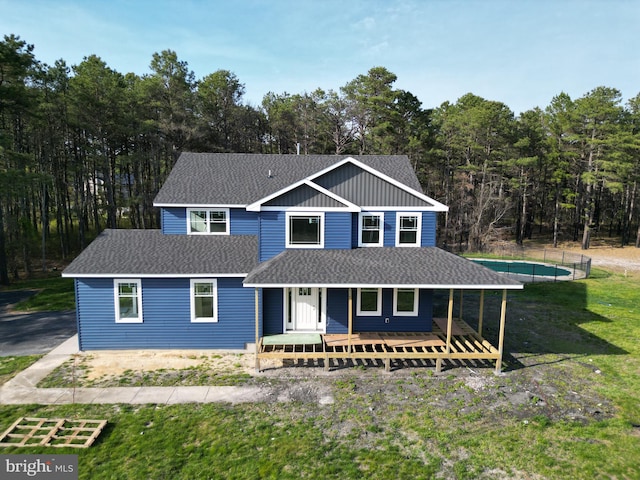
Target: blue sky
[520, 52]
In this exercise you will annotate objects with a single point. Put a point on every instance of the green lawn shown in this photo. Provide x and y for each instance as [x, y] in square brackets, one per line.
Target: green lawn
[52, 294]
[567, 407]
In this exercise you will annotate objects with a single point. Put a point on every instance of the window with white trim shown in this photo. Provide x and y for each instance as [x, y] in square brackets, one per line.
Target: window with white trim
[208, 221]
[369, 302]
[405, 302]
[204, 300]
[305, 230]
[408, 229]
[370, 229]
[128, 300]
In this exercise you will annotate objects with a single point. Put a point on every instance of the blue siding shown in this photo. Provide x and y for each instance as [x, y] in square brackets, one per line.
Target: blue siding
[337, 318]
[337, 232]
[337, 229]
[355, 218]
[272, 234]
[428, 229]
[167, 317]
[174, 221]
[338, 322]
[389, 229]
[421, 323]
[272, 308]
[243, 222]
[428, 234]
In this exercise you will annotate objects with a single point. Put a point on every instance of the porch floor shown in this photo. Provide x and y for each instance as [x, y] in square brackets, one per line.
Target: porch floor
[466, 344]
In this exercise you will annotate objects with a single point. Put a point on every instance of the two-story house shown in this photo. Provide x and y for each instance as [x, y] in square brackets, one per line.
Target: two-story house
[315, 256]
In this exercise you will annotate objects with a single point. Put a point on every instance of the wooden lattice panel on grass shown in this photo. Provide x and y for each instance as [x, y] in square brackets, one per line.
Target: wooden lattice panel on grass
[52, 432]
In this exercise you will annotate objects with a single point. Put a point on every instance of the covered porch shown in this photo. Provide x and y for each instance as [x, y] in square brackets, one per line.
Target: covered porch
[451, 340]
[443, 338]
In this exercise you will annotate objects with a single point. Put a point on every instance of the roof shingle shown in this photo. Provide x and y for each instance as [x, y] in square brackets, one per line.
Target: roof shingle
[149, 253]
[241, 179]
[428, 267]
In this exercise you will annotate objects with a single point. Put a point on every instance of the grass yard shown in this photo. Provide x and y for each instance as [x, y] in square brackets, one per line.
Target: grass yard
[54, 293]
[567, 407]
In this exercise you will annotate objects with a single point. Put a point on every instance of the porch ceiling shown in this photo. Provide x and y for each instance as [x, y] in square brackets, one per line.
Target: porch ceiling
[427, 267]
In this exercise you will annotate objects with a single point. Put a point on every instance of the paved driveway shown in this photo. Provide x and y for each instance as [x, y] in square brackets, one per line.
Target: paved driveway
[32, 333]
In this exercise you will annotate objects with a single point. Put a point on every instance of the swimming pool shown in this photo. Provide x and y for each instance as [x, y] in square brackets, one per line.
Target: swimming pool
[532, 269]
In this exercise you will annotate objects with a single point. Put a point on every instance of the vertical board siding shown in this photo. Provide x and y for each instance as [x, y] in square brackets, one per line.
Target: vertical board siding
[272, 311]
[174, 221]
[363, 188]
[242, 222]
[167, 316]
[337, 229]
[272, 234]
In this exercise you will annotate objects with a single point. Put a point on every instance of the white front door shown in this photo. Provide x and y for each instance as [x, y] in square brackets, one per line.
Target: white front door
[306, 307]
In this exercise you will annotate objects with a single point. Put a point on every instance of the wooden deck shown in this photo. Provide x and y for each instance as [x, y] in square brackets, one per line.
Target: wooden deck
[465, 344]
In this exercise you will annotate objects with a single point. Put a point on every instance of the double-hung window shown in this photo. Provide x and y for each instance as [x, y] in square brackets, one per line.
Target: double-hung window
[405, 302]
[305, 230]
[128, 300]
[207, 221]
[408, 229]
[371, 229]
[369, 302]
[204, 300]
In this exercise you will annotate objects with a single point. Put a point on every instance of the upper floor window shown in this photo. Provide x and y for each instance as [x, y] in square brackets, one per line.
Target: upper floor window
[208, 221]
[408, 229]
[305, 230]
[371, 230]
[128, 300]
[204, 300]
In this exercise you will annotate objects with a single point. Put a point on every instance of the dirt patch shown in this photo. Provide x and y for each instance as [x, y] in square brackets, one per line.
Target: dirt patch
[102, 365]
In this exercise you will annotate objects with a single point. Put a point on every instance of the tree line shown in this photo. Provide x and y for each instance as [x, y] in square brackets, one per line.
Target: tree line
[84, 148]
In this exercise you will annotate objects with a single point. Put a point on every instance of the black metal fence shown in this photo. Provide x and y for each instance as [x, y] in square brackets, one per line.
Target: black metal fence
[579, 265]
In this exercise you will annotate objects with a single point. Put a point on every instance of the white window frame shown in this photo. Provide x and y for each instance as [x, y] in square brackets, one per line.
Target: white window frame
[192, 297]
[208, 221]
[116, 297]
[361, 230]
[288, 216]
[412, 313]
[418, 230]
[375, 313]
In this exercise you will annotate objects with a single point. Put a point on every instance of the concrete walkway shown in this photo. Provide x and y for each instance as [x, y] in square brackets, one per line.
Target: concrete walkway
[22, 389]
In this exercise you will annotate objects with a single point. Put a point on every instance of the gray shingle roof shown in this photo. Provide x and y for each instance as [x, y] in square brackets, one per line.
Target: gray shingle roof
[241, 179]
[418, 267]
[149, 253]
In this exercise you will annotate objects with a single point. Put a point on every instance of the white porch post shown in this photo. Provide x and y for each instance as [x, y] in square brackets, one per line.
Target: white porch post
[503, 316]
